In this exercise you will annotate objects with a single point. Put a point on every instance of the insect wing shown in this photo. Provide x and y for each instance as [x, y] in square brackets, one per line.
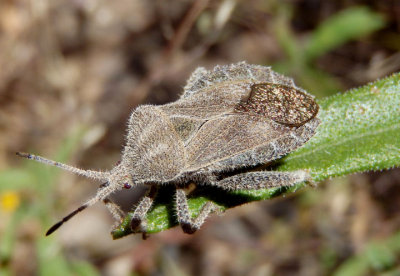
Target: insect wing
[229, 136]
[283, 104]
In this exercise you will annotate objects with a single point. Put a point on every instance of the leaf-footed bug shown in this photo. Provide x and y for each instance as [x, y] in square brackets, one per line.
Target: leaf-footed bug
[231, 118]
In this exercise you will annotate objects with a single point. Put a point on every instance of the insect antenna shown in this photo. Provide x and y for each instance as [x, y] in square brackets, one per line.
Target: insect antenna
[103, 191]
[87, 173]
[65, 219]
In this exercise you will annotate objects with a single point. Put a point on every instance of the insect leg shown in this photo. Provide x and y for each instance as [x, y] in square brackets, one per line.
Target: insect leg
[114, 209]
[190, 225]
[262, 180]
[143, 207]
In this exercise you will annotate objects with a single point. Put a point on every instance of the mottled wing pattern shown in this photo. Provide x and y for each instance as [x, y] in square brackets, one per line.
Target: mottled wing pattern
[283, 104]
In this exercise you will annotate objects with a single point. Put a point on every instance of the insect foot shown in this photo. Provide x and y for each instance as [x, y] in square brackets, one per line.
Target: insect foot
[228, 121]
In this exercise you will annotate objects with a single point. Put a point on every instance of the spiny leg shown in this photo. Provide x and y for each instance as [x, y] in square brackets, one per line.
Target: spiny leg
[114, 209]
[262, 180]
[190, 225]
[143, 207]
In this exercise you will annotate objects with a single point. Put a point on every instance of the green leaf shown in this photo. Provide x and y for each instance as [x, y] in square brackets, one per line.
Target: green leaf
[51, 262]
[84, 268]
[9, 237]
[286, 39]
[359, 131]
[15, 179]
[377, 256]
[349, 24]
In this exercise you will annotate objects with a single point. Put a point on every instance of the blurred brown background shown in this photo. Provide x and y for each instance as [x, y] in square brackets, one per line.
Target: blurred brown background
[72, 71]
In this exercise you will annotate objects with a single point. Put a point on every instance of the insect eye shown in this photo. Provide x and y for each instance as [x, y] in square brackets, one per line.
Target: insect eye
[127, 185]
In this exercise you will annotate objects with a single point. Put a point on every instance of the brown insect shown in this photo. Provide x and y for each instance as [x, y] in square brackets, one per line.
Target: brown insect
[228, 119]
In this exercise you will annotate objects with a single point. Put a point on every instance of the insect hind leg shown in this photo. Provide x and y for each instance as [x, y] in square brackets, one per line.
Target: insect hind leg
[262, 180]
[190, 225]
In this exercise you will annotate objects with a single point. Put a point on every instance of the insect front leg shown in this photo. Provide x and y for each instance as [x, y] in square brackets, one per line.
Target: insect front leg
[143, 207]
[114, 209]
[262, 180]
[190, 225]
